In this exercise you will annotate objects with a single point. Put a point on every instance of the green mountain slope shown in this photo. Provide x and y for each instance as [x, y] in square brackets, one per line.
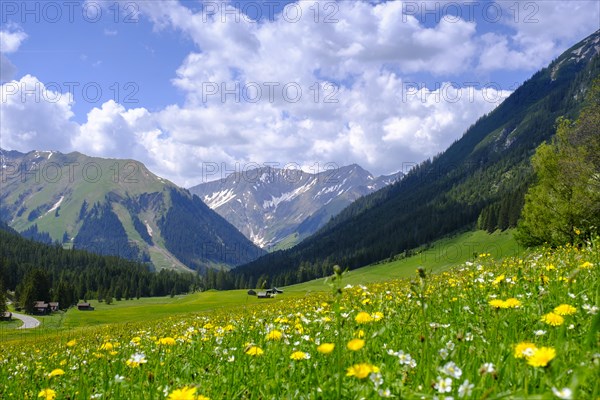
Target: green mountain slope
[482, 176]
[116, 207]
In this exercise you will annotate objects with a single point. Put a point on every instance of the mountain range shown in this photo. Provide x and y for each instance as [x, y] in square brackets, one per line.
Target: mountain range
[277, 208]
[115, 207]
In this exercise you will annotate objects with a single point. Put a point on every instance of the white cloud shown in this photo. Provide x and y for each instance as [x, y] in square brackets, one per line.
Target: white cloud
[378, 118]
[10, 41]
[541, 31]
[34, 117]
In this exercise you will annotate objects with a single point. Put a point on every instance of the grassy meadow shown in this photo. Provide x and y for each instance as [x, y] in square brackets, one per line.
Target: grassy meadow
[487, 328]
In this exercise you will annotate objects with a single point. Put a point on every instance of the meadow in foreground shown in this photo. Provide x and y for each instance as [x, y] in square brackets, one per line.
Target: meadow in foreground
[523, 327]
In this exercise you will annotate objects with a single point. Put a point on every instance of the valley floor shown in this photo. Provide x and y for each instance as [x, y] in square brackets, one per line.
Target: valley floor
[509, 327]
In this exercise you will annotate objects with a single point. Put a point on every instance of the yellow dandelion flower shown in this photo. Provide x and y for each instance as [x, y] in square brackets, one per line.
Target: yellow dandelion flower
[363, 318]
[356, 344]
[498, 279]
[553, 319]
[497, 303]
[254, 351]
[361, 370]
[108, 346]
[201, 397]
[565, 309]
[185, 393]
[586, 265]
[378, 315]
[541, 357]
[71, 343]
[56, 372]
[524, 349]
[167, 341]
[227, 328]
[47, 394]
[299, 355]
[512, 303]
[326, 348]
[274, 335]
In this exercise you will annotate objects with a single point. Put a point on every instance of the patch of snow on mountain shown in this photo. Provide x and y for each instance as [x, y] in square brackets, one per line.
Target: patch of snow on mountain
[218, 199]
[55, 206]
[275, 201]
[258, 239]
[148, 228]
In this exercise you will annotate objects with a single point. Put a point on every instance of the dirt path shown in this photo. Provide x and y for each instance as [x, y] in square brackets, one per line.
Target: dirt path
[28, 322]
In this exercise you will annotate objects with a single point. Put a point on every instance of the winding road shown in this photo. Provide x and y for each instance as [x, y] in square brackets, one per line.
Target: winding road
[28, 322]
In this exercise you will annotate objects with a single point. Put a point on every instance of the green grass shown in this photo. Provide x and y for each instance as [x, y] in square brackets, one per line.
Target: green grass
[440, 256]
[429, 336]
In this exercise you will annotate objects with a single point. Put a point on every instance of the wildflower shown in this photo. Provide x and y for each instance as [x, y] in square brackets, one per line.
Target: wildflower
[487, 368]
[451, 369]
[512, 303]
[592, 310]
[564, 393]
[376, 378]
[299, 355]
[119, 378]
[254, 351]
[443, 385]
[384, 393]
[363, 318]
[274, 335]
[47, 394]
[541, 357]
[361, 370]
[565, 309]
[553, 319]
[167, 341]
[356, 344]
[186, 393]
[443, 353]
[498, 279]
[496, 303]
[108, 346]
[136, 360]
[326, 348]
[586, 265]
[465, 389]
[524, 349]
[377, 316]
[71, 343]
[56, 372]
[539, 332]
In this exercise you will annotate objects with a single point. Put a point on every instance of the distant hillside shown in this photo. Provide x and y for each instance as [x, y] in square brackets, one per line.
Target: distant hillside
[480, 179]
[71, 275]
[279, 207]
[115, 207]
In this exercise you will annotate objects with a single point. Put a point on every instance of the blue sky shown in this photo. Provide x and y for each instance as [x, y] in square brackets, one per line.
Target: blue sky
[191, 83]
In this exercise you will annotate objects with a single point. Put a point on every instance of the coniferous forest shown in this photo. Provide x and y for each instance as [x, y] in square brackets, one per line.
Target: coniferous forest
[37, 271]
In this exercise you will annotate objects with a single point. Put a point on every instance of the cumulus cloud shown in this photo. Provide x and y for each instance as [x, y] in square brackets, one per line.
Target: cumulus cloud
[10, 40]
[286, 90]
[34, 116]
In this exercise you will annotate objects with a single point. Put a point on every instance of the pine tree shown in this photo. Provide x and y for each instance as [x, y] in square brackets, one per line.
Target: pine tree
[3, 305]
